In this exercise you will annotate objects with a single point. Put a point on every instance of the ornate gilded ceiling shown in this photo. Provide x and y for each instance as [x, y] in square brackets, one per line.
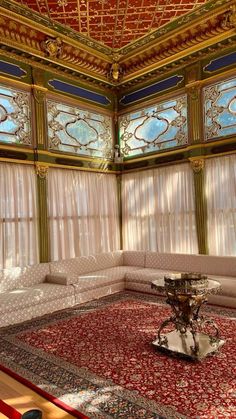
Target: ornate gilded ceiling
[115, 23]
[46, 39]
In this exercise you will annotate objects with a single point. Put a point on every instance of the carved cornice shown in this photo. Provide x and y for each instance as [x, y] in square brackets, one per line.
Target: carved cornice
[53, 49]
[191, 39]
[47, 43]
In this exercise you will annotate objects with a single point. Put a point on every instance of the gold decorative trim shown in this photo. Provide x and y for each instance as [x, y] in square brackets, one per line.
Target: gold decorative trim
[41, 170]
[197, 164]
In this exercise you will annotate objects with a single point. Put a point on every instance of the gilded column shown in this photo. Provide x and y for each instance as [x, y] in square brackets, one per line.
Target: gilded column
[193, 88]
[200, 204]
[44, 244]
[39, 95]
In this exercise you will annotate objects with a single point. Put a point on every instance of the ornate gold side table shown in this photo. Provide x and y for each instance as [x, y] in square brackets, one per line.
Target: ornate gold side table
[185, 294]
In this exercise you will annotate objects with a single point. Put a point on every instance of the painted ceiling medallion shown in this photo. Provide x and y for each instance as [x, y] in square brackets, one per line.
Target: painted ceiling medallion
[114, 23]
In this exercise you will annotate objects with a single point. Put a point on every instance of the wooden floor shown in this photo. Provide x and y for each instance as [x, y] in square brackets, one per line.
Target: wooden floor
[22, 399]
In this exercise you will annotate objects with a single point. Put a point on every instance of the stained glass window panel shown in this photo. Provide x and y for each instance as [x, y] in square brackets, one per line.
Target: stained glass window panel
[78, 131]
[220, 109]
[15, 115]
[158, 127]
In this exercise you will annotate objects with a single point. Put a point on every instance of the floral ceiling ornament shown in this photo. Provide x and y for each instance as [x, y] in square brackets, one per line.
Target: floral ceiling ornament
[52, 47]
[115, 73]
[62, 3]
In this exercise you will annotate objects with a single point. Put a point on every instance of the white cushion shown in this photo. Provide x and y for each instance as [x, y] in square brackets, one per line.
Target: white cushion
[173, 262]
[228, 285]
[30, 296]
[108, 260]
[100, 278]
[59, 278]
[134, 258]
[74, 266]
[13, 278]
[146, 275]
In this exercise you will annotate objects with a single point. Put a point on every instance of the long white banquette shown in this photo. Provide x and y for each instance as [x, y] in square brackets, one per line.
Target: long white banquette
[36, 290]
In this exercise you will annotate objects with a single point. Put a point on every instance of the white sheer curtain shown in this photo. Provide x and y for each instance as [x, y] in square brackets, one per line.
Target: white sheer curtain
[83, 211]
[158, 210]
[18, 216]
[221, 205]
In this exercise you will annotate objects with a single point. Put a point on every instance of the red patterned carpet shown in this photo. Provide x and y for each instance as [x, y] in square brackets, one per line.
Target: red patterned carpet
[99, 359]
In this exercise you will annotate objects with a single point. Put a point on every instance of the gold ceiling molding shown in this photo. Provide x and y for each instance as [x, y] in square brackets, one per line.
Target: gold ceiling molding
[186, 41]
[47, 44]
[38, 44]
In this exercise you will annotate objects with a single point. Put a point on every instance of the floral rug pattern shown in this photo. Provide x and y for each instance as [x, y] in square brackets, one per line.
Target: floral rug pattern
[98, 358]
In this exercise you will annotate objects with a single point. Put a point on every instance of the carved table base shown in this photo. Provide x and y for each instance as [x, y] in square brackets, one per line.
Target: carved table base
[178, 343]
[193, 336]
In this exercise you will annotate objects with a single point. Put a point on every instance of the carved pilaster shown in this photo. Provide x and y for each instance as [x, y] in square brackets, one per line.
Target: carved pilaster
[197, 165]
[44, 247]
[195, 112]
[39, 95]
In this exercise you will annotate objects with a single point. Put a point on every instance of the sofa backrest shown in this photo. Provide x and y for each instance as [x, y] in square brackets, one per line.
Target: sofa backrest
[74, 266]
[11, 278]
[108, 259]
[172, 261]
[134, 258]
[84, 264]
[218, 265]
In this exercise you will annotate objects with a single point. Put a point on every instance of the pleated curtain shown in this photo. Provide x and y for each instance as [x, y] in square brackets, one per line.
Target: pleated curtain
[18, 216]
[221, 205]
[83, 213]
[158, 212]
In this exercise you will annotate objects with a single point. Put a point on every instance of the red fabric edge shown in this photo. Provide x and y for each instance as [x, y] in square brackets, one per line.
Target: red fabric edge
[9, 411]
[42, 393]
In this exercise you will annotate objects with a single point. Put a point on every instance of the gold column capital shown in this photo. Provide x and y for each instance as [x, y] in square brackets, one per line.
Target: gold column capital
[197, 164]
[41, 170]
[39, 94]
[193, 90]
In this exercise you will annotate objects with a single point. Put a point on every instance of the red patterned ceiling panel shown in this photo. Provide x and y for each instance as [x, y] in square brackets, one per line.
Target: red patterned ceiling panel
[113, 22]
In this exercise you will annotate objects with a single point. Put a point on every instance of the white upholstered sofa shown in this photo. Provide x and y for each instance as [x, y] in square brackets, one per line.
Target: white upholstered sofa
[32, 291]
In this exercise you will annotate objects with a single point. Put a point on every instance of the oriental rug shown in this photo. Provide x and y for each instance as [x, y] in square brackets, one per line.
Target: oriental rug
[98, 359]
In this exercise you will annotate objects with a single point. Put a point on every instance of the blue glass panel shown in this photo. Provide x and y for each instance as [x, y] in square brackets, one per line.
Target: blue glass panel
[221, 62]
[150, 90]
[79, 92]
[78, 131]
[155, 128]
[220, 109]
[14, 116]
[11, 69]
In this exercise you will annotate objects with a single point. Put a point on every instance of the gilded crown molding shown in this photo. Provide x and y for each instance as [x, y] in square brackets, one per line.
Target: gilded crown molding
[190, 40]
[40, 40]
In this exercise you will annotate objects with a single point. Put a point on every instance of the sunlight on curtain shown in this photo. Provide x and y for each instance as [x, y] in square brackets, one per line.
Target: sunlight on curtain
[221, 205]
[158, 210]
[83, 212]
[18, 216]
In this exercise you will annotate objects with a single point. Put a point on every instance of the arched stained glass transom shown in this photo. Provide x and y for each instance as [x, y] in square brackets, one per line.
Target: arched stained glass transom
[220, 109]
[15, 116]
[79, 131]
[155, 128]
